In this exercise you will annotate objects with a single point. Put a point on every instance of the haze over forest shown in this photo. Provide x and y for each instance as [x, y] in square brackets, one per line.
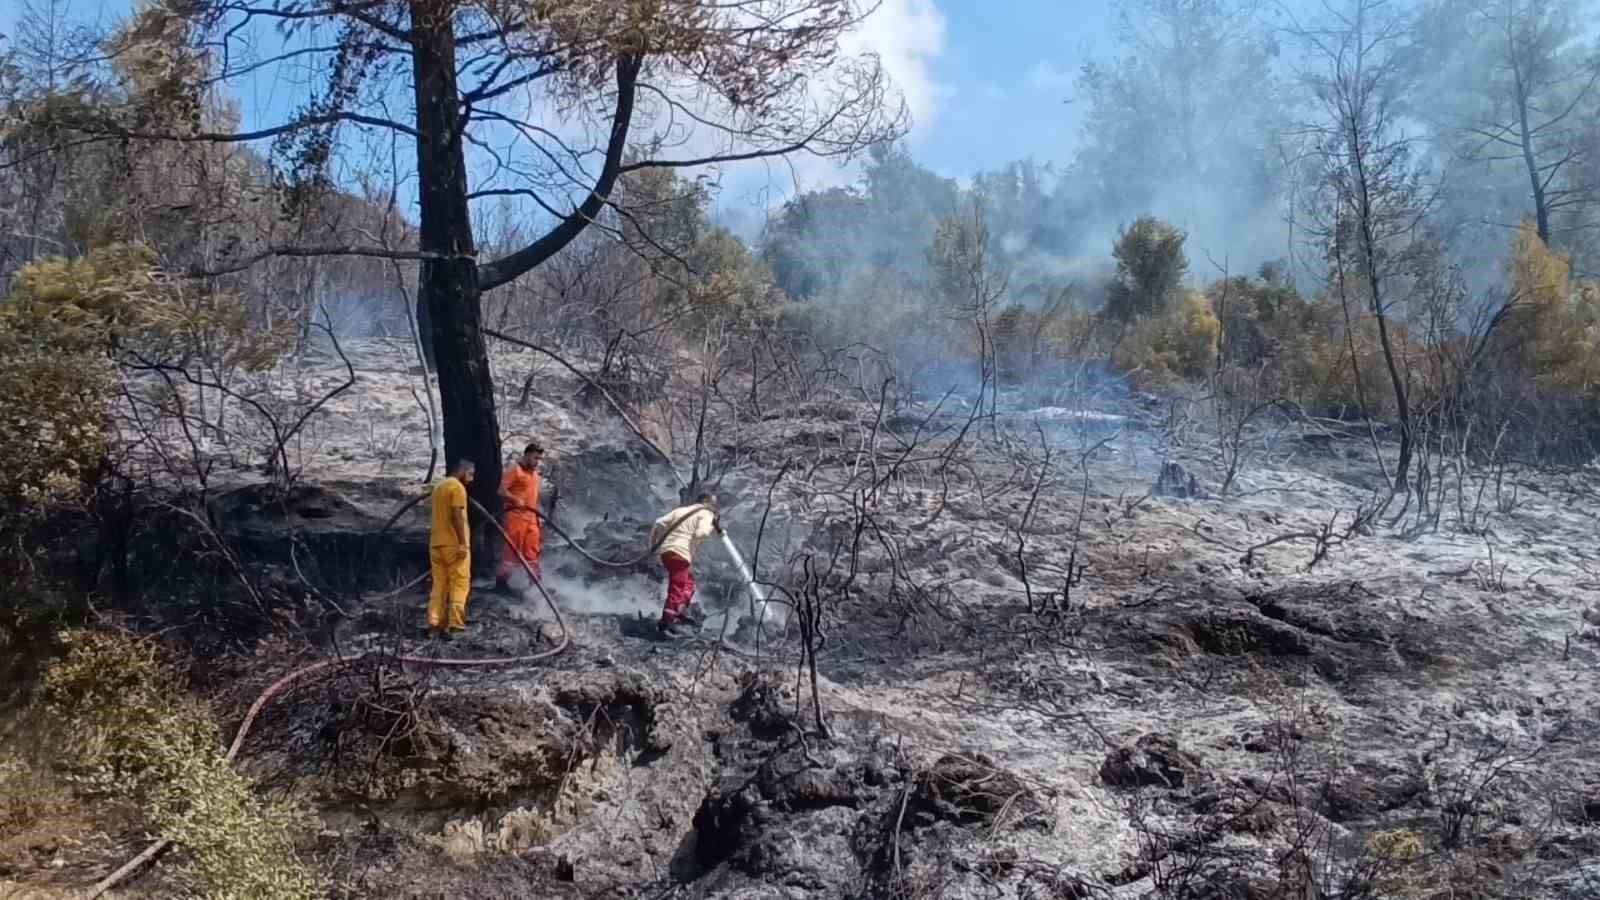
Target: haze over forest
[1069, 124]
[1154, 448]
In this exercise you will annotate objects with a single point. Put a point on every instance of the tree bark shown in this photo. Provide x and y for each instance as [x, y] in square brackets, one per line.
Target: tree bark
[449, 285]
[1369, 258]
[1541, 207]
[424, 328]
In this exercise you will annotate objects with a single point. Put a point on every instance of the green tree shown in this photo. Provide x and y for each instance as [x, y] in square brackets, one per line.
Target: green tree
[822, 239]
[816, 241]
[1151, 264]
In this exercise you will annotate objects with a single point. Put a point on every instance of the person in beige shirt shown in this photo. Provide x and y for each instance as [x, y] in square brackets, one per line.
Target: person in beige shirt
[678, 534]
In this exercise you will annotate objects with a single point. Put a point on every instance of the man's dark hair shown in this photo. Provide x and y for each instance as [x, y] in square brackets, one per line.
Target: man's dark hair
[533, 447]
[461, 465]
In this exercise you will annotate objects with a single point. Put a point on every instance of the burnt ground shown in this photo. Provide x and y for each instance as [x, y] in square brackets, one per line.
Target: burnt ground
[1071, 685]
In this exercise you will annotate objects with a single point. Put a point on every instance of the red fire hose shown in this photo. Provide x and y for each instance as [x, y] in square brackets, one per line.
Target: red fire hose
[329, 666]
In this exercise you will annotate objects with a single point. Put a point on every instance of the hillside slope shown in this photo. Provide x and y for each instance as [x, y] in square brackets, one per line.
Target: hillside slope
[1038, 675]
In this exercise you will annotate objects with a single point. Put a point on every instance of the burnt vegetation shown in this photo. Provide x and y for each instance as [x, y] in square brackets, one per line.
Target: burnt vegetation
[1087, 553]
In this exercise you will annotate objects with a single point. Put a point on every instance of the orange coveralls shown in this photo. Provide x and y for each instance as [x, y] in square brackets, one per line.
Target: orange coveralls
[522, 523]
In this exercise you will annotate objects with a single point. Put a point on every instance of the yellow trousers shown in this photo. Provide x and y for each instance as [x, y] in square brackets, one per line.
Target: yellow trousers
[451, 582]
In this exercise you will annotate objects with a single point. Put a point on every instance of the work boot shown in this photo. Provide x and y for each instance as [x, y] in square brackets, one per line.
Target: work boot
[448, 636]
[425, 633]
[502, 585]
[675, 631]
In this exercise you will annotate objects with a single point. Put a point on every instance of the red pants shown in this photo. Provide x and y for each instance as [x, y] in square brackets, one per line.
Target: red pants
[525, 537]
[680, 587]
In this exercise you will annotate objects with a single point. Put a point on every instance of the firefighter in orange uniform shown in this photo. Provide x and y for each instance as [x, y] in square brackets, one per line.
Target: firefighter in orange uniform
[519, 492]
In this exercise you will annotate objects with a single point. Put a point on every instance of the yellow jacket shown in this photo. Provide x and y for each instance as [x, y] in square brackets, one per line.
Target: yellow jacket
[695, 527]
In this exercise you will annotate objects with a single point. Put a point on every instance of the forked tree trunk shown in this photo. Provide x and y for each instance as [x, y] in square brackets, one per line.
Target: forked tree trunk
[449, 286]
[452, 283]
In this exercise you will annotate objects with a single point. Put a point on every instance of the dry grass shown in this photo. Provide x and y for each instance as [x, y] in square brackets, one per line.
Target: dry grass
[47, 832]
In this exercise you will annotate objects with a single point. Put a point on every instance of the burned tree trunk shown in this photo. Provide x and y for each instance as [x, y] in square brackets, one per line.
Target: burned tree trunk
[424, 329]
[1541, 204]
[449, 287]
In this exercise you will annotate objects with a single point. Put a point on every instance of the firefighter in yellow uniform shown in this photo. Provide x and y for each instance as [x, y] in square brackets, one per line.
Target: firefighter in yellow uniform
[450, 552]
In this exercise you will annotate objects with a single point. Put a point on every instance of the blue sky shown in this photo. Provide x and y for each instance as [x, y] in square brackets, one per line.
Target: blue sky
[987, 83]
[1003, 79]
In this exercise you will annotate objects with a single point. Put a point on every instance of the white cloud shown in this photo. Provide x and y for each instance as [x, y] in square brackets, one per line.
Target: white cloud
[908, 36]
[1045, 75]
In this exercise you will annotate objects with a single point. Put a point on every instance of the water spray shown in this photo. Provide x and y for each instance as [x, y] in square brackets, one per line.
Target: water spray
[744, 571]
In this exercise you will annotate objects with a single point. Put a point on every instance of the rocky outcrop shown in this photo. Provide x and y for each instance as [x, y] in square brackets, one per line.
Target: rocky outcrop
[826, 816]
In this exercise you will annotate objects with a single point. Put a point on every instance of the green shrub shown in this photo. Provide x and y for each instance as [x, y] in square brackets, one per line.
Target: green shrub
[1150, 267]
[111, 698]
[55, 377]
[65, 326]
[238, 845]
[1177, 346]
[127, 728]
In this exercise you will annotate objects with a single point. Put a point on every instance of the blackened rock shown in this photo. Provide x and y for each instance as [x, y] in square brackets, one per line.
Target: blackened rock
[971, 789]
[1175, 481]
[1274, 736]
[1367, 789]
[759, 706]
[1153, 760]
[729, 818]
[1585, 808]
[616, 539]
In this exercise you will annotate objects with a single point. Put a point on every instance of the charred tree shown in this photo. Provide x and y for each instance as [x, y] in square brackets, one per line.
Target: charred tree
[449, 283]
[1520, 88]
[744, 74]
[1372, 202]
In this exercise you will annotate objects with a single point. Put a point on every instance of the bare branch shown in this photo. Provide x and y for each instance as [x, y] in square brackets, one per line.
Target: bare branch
[496, 273]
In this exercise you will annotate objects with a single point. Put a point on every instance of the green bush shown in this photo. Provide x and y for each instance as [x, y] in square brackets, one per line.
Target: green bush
[1150, 267]
[110, 698]
[127, 728]
[239, 846]
[55, 375]
[65, 326]
[1179, 345]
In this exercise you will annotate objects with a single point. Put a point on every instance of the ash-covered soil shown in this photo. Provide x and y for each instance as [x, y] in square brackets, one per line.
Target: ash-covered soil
[1038, 675]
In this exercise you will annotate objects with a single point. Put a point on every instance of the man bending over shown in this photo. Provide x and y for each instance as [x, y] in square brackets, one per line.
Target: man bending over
[679, 533]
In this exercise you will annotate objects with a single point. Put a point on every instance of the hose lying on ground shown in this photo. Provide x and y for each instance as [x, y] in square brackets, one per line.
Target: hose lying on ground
[328, 666]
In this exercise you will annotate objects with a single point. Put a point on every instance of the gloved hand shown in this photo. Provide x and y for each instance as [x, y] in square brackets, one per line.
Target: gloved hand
[716, 524]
